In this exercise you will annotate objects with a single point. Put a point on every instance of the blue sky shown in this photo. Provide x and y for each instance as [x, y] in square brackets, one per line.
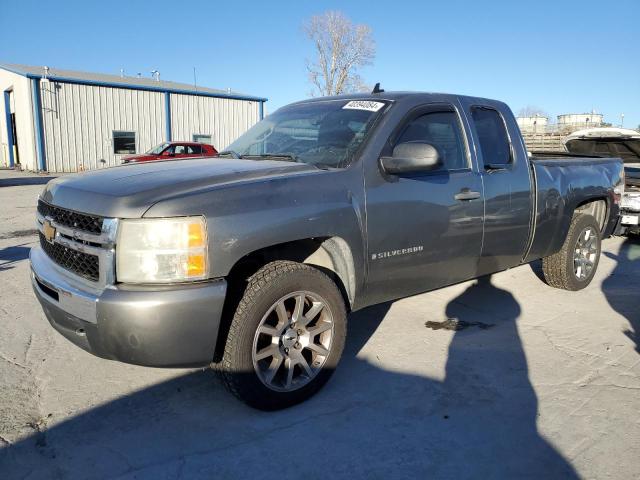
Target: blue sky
[562, 56]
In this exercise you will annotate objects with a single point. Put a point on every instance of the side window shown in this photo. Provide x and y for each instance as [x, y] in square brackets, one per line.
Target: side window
[194, 149]
[494, 141]
[180, 150]
[124, 142]
[627, 155]
[442, 130]
[604, 149]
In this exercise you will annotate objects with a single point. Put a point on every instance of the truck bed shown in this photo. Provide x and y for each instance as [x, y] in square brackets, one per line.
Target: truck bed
[563, 182]
[542, 154]
[571, 158]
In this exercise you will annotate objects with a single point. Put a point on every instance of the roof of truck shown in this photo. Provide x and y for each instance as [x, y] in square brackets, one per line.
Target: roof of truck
[397, 95]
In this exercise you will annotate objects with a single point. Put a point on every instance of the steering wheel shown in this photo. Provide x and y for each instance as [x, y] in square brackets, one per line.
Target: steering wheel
[330, 150]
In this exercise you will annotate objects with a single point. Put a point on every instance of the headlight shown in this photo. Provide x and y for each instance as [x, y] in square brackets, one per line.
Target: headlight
[162, 250]
[631, 202]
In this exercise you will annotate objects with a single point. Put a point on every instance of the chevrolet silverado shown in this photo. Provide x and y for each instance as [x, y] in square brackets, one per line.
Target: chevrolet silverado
[252, 263]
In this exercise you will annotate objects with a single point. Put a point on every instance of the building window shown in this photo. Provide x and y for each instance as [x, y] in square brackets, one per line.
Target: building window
[124, 142]
[201, 138]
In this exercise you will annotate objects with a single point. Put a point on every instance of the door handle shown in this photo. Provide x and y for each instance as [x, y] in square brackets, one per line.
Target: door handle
[466, 194]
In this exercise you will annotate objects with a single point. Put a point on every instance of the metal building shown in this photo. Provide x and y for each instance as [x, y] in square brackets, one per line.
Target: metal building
[66, 121]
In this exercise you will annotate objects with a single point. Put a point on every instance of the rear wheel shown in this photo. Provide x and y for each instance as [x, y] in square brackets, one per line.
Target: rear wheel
[574, 266]
[286, 337]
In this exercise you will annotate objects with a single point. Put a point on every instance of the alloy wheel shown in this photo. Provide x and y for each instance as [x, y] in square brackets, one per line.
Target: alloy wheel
[585, 253]
[293, 341]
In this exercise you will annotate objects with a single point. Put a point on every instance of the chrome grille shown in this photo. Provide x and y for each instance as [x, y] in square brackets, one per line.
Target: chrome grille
[71, 219]
[81, 243]
[80, 263]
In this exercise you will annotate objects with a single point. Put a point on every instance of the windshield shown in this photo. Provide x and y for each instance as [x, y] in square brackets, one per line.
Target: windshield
[324, 134]
[157, 150]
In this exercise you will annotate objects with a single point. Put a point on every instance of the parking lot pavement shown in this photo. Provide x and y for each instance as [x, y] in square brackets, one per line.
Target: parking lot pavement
[527, 382]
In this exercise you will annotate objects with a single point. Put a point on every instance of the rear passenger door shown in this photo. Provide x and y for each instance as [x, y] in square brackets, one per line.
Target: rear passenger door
[506, 177]
[194, 150]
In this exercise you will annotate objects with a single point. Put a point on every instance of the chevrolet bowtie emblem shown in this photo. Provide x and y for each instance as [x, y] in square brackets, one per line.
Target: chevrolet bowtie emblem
[49, 231]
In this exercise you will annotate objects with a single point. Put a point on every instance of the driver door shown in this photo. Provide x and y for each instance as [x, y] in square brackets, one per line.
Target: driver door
[425, 228]
[167, 153]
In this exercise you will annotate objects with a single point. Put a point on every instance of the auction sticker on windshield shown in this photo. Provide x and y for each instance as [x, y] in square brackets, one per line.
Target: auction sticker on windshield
[363, 105]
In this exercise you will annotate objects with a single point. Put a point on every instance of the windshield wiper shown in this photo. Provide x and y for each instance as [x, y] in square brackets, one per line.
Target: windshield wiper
[284, 156]
[289, 157]
[231, 153]
[323, 166]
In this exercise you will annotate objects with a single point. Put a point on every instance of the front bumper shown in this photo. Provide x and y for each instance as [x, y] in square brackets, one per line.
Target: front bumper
[156, 326]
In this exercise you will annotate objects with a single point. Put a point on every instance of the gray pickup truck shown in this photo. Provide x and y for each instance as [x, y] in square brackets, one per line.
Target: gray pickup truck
[251, 261]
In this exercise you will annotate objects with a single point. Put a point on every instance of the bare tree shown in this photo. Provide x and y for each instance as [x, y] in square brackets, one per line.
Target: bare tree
[341, 49]
[532, 111]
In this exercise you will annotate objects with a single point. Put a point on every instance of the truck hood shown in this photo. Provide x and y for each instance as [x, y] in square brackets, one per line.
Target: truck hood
[128, 191]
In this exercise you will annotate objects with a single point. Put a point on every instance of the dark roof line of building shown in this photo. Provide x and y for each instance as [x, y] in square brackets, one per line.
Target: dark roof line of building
[115, 81]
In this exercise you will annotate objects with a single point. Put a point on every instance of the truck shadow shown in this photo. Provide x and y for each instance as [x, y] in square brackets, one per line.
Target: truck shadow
[536, 268]
[9, 256]
[21, 181]
[480, 422]
[621, 287]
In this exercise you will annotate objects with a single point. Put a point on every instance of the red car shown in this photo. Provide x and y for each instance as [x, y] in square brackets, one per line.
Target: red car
[173, 150]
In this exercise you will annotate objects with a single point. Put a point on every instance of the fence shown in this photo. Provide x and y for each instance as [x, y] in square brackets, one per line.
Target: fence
[550, 137]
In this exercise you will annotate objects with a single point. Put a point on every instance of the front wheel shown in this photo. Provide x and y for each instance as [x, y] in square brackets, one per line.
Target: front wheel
[286, 337]
[574, 266]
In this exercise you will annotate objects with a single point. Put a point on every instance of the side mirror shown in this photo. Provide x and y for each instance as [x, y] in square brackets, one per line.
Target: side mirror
[411, 157]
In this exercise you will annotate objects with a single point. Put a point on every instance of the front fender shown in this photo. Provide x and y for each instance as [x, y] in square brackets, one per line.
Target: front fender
[245, 218]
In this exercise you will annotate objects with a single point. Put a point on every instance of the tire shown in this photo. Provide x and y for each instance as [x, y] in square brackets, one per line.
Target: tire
[262, 348]
[569, 268]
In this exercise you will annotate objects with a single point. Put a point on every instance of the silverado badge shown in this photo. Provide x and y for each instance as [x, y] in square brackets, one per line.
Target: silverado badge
[49, 231]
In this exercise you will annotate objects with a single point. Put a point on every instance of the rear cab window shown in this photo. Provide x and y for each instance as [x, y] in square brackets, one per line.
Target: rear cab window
[493, 138]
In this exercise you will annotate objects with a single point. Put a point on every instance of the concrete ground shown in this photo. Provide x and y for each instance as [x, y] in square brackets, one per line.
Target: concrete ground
[542, 383]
